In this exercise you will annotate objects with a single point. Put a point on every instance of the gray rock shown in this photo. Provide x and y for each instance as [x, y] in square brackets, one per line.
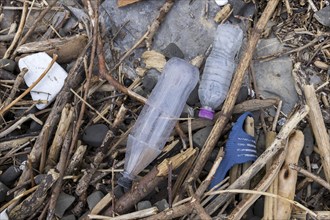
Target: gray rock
[162, 205]
[143, 205]
[69, 217]
[94, 198]
[323, 16]
[200, 136]
[94, 134]
[64, 201]
[10, 175]
[274, 77]
[172, 50]
[150, 80]
[7, 64]
[34, 126]
[3, 192]
[184, 24]
[243, 94]
[309, 141]
[193, 98]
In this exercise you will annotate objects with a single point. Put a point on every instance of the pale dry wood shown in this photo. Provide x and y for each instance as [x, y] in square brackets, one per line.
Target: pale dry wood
[254, 105]
[319, 129]
[102, 204]
[262, 159]
[122, 3]
[19, 31]
[301, 215]
[223, 13]
[62, 129]
[287, 178]
[76, 159]
[233, 91]
[10, 144]
[153, 59]
[133, 215]
[67, 48]
[266, 181]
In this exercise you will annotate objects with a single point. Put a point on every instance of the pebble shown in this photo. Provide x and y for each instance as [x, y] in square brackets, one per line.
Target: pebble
[243, 94]
[69, 217]
[143, 205]
[8, 65]
[3, 192]
[162, 205]
[193, 98]
[34, 126]
[118, 191]
[150, 80]
[10, 175]
[200, 136]
[64, 201]
[309, 141]
[94, 134]
[323, 16]
[94, 198]
[128, 82]
[271, 76]
[172, 50]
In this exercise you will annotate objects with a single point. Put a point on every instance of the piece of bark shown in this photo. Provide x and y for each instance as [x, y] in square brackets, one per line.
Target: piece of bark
[122, 3]
[76, 159]
[67, 48]
[233, 91]
[319, 129]
[254, 105]
[35, 200]
[147, 184]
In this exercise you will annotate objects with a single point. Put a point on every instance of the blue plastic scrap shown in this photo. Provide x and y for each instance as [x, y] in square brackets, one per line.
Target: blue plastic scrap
[240, 148]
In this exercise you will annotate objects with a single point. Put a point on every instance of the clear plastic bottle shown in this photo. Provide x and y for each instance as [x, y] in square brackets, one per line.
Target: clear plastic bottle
[219, 68]
[158, 117]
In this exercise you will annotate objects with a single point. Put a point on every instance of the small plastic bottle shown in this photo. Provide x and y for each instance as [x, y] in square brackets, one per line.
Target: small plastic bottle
[219, 68]
[158, 117]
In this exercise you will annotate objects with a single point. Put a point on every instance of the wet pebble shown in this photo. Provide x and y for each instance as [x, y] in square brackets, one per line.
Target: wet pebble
[172, 50]
[10, 175]
[64, 201]
[162, 205]
[94, 198]
[8, 65]
[150, 80]
[323, 16]
[94, 134]
[143, 205]
[200, 136]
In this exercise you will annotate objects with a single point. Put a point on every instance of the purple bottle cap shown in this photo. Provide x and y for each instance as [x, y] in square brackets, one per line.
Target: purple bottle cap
[206, 113]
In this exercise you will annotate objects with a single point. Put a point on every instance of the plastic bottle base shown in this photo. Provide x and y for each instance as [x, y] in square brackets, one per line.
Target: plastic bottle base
[206, 113]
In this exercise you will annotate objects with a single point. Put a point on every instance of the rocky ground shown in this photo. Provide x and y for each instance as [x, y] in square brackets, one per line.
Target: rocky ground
[63, 151]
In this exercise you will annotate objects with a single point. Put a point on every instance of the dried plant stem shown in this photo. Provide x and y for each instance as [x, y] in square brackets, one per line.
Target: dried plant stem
[6, 108]
[19, 31]
[310, 175]
[264, 194]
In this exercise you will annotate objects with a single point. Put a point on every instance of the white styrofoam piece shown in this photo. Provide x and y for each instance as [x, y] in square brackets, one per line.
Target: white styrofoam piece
[221, 2]
[50, 85]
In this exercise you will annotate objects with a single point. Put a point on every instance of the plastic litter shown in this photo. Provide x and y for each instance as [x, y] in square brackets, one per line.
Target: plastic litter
[240, 148]
[219, 68]
[158, 117]
[50, 85]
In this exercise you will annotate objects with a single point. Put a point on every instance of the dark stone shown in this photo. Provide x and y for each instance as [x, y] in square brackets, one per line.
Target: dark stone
[309, 141]
[34, 126]
[150, 80]
[258, 207]
[243, 94]
[193, 98]
[10, 175]
[172, 50]
[162, 205]
[64, 201]
[323, 16]
[200, 136]
[118, 191]
[3, 192]
[8, 65]
[94, 198]
[143, 205]
[140, 91]
[39, 178]
[94, 134]
[128, 82]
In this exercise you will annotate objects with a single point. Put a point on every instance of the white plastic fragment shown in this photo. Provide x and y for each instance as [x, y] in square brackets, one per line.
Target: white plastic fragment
[221, 2]
[3, 215]
[48, 88]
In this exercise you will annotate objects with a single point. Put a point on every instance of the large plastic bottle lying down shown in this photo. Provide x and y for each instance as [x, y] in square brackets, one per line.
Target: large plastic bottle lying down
[158, 117]
[219, 68]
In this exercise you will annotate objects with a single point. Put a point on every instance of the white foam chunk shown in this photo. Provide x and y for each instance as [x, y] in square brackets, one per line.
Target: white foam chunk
[221, 2]
[52, 83]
